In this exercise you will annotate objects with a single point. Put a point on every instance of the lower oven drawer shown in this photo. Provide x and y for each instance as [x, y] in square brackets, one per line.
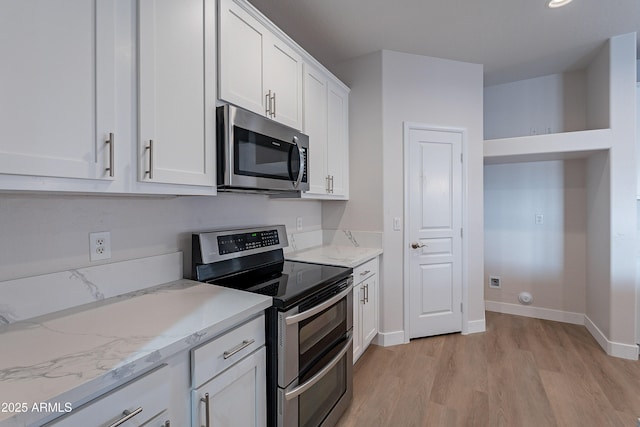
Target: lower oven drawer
[322, 398]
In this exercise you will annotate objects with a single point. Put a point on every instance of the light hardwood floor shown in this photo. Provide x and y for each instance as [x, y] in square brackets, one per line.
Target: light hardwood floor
[520, 372]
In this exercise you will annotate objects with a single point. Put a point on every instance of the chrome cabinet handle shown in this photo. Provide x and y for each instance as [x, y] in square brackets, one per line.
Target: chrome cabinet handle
[150, 149]
[267, 104]
[127, 416]
[317, 377]
[244, 344]
[297, 318]
[416, 245]
[274, 104]
[205, 399]
[167, 423]
[331, 181]
[366, 292]
[364, 273]
[111, 141]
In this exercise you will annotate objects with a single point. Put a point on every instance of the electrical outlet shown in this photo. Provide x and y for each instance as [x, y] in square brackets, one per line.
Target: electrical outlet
[494, 282]
[299, 223]
[539, 219]
[99, 246]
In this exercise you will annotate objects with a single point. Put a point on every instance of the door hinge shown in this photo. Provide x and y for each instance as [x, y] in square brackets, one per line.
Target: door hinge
[461, 308]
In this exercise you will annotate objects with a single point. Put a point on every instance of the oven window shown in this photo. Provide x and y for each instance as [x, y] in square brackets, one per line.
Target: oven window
[262, 156]
[316, 403]
[320, 333]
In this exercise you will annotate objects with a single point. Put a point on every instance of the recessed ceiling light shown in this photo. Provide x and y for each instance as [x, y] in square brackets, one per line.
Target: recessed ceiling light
[557, 3]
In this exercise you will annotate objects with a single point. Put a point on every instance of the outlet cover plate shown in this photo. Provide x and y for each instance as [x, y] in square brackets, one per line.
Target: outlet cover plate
[494, 282]
[99, 246]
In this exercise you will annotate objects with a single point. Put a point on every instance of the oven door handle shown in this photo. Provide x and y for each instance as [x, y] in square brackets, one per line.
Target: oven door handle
[297, 318]
[292, 394]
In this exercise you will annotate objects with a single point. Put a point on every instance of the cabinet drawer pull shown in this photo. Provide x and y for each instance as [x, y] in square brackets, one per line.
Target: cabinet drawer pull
[127, 416]
[244, 344]
[366, 293]
[150, 149]
[364, 273]
[111, 141]
[205, 400]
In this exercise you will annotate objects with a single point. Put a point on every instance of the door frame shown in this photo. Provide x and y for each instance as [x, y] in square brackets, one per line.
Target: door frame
[407, 127]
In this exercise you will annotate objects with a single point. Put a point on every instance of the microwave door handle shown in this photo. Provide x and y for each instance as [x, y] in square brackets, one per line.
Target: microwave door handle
[297, 318]
[301, 171]
[317, 377]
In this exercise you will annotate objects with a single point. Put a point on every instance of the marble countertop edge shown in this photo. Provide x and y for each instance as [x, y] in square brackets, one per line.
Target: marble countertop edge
[187, 330]
[340, 255]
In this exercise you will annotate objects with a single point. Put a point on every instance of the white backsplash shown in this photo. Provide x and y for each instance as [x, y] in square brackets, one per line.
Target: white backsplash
[40, 295]
[365, 239]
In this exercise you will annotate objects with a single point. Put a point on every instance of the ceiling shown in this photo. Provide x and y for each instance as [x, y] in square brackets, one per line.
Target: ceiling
[514, 39]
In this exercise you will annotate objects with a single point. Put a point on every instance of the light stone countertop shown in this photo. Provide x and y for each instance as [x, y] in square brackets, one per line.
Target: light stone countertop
[343, 256]
[69, 355]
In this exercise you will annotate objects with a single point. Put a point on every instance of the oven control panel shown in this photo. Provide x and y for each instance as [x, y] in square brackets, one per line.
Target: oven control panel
[240, 242]
[222, 245]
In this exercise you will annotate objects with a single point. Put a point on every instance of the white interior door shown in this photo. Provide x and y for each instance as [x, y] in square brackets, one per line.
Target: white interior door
[434, 191]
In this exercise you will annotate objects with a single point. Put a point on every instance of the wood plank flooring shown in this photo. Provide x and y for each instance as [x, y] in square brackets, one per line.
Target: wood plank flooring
[520, 372]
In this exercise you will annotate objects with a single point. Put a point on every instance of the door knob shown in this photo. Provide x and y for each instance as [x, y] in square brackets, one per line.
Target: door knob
[416, 245]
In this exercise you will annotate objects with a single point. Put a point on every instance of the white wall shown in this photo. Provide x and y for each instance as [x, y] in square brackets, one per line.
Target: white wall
[623, 189]
[598, 90]
[400, 87]
[49, 233]
[598, 242]
[548, 260]
[549, 104]
[441, 93]
[363, 212]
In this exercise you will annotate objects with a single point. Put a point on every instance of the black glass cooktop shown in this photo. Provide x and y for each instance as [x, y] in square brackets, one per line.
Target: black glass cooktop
[288, 282]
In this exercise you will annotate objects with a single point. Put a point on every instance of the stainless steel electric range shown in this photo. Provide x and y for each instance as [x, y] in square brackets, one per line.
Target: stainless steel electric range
[308, 328]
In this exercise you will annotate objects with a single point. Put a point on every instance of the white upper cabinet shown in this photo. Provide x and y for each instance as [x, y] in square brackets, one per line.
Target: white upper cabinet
[338, 140]
[315, 126]
[177, 91]
[326, 107]
[57, 86]
[257, 70]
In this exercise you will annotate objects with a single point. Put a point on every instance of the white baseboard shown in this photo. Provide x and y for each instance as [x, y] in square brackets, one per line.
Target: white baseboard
[474, 327]
[387, 339]
[616, 349]
[535, 312]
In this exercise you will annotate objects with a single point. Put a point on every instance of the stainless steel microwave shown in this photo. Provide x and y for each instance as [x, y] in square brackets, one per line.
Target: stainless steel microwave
[257, 154]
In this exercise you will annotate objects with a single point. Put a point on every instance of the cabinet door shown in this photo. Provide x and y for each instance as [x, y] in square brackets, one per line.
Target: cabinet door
[236, 397]
[357, 322]
[369, 310]
[176, 91]
[57, 86]
[240, 64]
[315, 125]
[283, 80]
[338, 140]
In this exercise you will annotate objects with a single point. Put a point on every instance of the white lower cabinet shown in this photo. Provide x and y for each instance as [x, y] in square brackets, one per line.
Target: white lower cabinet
[143, 401]
[229, 379]
[365, 306]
